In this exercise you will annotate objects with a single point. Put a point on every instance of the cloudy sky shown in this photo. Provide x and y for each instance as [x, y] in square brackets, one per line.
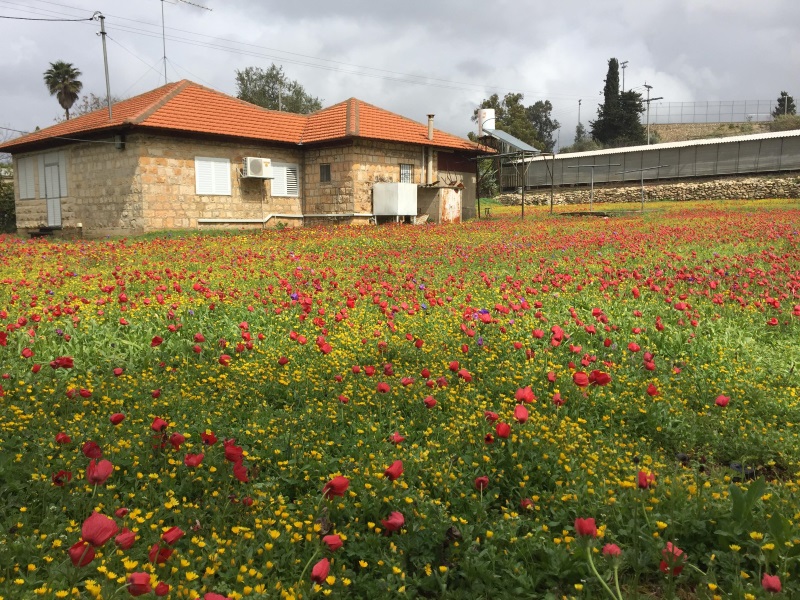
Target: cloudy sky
[412, 57]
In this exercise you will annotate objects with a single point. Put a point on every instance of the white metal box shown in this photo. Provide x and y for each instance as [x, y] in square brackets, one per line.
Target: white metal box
[394, 199]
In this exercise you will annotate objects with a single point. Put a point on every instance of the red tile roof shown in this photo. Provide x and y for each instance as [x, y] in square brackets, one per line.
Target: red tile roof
[187, 106]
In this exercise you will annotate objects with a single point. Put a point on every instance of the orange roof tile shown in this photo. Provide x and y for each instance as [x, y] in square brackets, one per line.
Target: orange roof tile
[187, 106]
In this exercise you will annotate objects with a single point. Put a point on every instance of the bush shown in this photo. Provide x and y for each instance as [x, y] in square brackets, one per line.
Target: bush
[785, 123]
[8, 212]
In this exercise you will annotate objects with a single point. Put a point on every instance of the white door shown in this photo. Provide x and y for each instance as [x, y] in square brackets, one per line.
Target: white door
[52, 182]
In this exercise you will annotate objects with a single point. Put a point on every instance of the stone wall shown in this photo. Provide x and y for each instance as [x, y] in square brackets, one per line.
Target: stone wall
[103, 193]
[380, 161]
[335, 196]
[170, 199]
[773, 186]
[679, 132]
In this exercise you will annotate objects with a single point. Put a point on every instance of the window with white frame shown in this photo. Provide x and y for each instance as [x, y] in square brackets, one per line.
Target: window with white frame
[26, 176]
[212, 176]
[406, 173]
[286, 180]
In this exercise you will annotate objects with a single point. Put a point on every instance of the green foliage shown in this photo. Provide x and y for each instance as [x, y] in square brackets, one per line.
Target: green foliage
[487, 179]
[785, 106]
[8, 212]
[582, 143]
[532, 124]
[273, 90]
[89, 104]
[62, 82]
[618, 123]
[785, 123]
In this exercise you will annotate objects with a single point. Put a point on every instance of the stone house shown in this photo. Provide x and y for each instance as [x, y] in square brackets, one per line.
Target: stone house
[176, 157]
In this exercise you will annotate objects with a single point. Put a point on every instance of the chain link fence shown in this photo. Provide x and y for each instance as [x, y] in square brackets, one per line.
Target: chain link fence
[719, 111]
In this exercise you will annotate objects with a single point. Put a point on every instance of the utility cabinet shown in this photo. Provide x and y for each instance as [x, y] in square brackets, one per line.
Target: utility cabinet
[394, 199]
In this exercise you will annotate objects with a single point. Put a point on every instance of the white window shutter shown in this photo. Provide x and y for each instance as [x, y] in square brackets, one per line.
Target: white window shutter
[26, 177]
[30, 176]
[212, 176]
[292, 184]
[279, 180]
[42, 187]
[222, 177]
[62, 174]
[286, 180]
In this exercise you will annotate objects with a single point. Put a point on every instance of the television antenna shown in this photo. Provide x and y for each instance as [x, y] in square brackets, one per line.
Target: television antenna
[163, 28]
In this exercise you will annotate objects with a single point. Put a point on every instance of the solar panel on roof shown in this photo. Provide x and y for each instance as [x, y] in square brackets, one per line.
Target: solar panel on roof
[507, 138]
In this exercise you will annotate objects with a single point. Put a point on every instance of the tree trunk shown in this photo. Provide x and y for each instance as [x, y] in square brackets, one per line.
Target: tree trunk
[66, 110]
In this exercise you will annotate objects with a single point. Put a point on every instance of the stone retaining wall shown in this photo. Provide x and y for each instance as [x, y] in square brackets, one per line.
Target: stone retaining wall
[775, 186]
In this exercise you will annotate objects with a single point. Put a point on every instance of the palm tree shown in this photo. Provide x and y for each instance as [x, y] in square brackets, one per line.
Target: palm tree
[62, 81]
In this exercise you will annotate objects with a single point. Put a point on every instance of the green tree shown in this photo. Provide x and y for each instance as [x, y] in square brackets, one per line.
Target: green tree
[62, 82]
[540, 116]
[272, 89]
[533, 124]
[785, 106]
[618, 122]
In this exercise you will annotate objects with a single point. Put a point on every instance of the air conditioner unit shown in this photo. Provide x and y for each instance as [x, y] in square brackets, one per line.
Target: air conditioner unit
[257, 168]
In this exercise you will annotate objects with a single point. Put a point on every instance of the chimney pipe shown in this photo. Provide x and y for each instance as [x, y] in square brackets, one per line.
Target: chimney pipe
[430, 127]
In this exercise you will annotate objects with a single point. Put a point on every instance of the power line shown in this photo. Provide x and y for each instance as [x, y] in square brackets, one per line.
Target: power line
[31, 19]
[57, 137]
[400, 76]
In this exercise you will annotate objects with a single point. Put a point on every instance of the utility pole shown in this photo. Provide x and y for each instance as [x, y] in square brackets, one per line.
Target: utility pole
[164, 42]
[579, 111]
[649, 100]
[624, 65]
[98, 15]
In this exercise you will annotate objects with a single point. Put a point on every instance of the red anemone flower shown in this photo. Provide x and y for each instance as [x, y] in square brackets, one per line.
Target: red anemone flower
[62, 477]
[156, 341]
[672, 560]
[159, 554]
[771, 583]
[396, 438]
[521, 413]
[240, 472]
[333, 542]
[162, 589]
[98, 529]
[320, 571]
[383, 387]
[172, 535]
[117, 418]
[645, 480]
[394, 521]
[91, 449]
[481, 483]
[81, 553]
[96, 474]
[585, 527]
[209, 439]
[525, 395]
[430, 401]
[125, 539]
[394, 471]
[139, 584]
[722, 401]
[336, 487]
[176, 439]
[611, 550]
[599, 378]
[159, 425]
[503, 430]
[580, 379]
[193, 460]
